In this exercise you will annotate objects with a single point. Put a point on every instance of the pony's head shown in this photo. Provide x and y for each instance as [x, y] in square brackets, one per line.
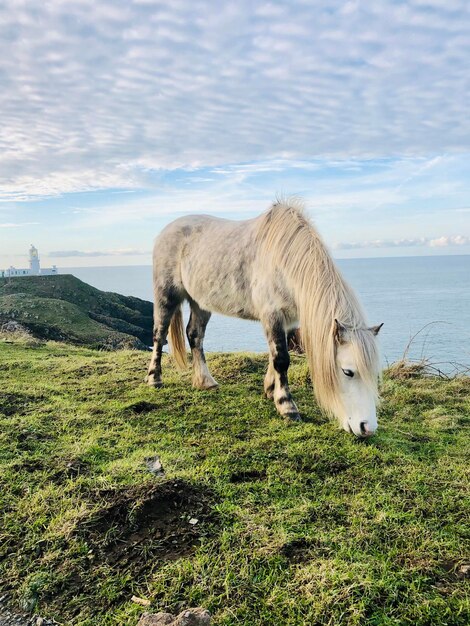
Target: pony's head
[357, 366]
[343, 356]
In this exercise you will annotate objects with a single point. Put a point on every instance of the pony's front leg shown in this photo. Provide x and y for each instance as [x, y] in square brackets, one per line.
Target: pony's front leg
[269, 380]
[278, 365]
[154, 375]
[163, 315]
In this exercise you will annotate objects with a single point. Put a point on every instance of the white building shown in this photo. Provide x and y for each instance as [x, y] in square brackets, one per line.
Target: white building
[35, 268]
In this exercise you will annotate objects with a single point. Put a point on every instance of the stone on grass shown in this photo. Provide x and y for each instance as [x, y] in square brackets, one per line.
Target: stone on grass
[154, 465]
[189, 617]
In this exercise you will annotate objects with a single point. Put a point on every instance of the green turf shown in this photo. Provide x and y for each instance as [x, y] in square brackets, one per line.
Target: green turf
[65, 308]
[296, 524]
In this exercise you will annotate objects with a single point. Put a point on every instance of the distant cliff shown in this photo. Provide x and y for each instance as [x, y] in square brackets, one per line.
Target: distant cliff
[64, 308]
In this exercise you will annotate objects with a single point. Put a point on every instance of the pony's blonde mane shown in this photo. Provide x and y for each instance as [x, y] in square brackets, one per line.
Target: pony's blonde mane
[288, 240]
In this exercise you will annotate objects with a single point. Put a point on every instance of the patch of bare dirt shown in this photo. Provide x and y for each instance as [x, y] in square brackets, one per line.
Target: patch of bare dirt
[141, 407]
[301, 550]
[456, 570]
[71, 469]
[246, 476]
[142, 526]
[17, 403]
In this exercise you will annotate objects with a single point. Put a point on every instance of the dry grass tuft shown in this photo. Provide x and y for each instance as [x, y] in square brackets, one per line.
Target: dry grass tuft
[404, 369]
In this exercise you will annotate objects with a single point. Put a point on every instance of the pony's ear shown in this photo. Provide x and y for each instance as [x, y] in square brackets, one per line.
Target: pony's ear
[375, 329]
[340, 331]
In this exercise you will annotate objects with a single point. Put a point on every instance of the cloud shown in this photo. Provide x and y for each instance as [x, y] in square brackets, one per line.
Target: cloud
[17, 224]
[440, 242]
[96, 94]
[98, 253]
[344, 193]
[444, 242]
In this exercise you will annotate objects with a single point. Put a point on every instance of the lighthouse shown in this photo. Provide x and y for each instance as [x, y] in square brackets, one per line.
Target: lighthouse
[34, 269]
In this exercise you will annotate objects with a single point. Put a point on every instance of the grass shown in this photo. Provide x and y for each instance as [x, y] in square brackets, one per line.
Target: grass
[296, 524]
[64, 308]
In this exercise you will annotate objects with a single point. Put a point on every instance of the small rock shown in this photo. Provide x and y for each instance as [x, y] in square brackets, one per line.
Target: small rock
[464, 570]
[12, 326]
[154, 465]
[189, 617]
[193, 617]
[156, 619]
[193, 521]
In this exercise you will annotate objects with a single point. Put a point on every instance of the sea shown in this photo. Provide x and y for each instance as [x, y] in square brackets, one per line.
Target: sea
[424, 303]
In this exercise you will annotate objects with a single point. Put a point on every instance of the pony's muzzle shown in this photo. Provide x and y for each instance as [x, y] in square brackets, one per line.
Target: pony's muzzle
[361, 431]
[365, 431]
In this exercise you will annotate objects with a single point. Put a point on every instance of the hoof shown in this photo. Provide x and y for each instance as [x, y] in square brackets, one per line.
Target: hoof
[204, 381]
[156, 384]
[206, 385]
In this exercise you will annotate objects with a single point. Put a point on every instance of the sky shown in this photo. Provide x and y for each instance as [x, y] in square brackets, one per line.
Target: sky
[118, 116]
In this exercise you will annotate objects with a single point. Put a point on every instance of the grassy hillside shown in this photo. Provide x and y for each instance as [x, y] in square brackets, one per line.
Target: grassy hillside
[65, 308]
[263, 523]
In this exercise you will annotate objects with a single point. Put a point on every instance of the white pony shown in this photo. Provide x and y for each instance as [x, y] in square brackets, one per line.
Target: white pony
[276, 269]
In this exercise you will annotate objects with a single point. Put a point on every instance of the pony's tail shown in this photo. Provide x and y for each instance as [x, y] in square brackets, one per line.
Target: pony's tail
[176, 339]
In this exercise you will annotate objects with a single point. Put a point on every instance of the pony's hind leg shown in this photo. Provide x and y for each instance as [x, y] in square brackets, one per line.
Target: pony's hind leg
[195, 332]
[276, 384]
[163, 312]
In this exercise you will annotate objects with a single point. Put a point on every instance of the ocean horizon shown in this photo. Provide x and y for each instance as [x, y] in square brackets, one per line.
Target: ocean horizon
[426, 296]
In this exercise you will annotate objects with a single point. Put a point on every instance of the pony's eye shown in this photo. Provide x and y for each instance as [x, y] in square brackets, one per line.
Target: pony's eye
[348, 373]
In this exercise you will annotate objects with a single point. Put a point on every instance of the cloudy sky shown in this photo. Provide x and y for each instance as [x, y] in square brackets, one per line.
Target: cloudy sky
[117, 116]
